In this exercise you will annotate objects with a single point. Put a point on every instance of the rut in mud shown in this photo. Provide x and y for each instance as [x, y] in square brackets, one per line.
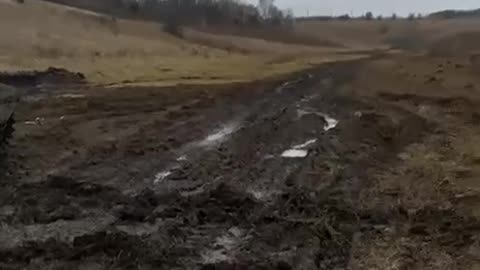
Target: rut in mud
[264, 180]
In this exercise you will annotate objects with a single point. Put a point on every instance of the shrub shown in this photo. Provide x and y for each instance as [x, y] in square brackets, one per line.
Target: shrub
[344, 17]
[369, 15]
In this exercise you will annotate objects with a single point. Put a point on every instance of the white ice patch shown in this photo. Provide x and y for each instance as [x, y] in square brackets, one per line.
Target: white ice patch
[295, 153]
[306, 144]
[196, 191]
[298, 151]
[161, 176]
[225, 246]
[331, 123]
[261, 194]
[305, 100]
[38, 121]
[71, 96]
[268, 157]
[283, 86]
[219, 135]
[210, 141]
[301, 113]
[182, 158]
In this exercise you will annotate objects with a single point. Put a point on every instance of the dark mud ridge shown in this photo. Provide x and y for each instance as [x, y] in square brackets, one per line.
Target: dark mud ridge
[276, 186]
[49, 76]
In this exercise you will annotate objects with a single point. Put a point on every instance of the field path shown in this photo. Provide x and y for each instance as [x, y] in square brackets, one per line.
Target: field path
[265, 175]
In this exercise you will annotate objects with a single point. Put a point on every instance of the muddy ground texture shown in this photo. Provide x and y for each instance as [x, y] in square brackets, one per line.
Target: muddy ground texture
[198, 177]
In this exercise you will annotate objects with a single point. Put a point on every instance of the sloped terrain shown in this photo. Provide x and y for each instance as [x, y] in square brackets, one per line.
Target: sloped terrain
[318, 170]
[37, 35]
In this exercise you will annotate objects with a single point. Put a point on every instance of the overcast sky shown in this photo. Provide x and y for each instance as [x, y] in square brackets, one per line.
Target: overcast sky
[384, 7]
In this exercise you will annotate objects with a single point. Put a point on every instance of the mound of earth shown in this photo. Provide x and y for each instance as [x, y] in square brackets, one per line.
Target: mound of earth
[51, 75]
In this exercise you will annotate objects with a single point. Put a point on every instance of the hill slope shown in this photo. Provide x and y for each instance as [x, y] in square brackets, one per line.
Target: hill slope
[40, 34]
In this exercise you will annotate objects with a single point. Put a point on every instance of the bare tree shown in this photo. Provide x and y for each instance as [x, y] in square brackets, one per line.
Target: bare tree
[289, 17]
[265, 8]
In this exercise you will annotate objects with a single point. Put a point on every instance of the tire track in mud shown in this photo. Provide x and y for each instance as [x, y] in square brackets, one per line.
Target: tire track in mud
[231, 201]
[305, 194]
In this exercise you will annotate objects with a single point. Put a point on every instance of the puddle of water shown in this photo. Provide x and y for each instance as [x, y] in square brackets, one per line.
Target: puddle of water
[161, 176]
[306, 144]
[295, 153]
[219, 135]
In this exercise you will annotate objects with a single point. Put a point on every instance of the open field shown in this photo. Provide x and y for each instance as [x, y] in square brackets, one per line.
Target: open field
[418, 35]
[226, 152]
[196, 177]
[37, 35]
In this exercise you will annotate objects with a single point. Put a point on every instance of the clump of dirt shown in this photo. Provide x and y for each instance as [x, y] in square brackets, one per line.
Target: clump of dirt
[49, 76]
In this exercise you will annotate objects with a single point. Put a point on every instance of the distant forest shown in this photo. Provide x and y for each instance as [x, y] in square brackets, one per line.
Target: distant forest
[218, 12]
[452, 14]
[206, 12]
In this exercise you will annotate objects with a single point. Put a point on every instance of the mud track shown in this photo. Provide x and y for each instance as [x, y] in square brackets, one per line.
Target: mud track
[192, 179]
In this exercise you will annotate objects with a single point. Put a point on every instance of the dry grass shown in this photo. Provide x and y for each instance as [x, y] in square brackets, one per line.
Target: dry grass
[444, 37]
[37, 34]
[394, 251]
[420, 181]
[431, 182]
[286, 35]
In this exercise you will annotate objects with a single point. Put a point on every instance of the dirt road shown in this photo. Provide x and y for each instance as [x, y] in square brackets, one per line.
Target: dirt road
[280, 174]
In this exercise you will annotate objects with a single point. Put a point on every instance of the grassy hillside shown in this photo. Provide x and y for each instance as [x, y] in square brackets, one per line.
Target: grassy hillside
[426, 35]
[40, 34]
[450, 14]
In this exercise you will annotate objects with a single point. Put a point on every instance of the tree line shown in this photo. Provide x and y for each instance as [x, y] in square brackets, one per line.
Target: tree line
[190, 11]
[369, 16]
[210, 12]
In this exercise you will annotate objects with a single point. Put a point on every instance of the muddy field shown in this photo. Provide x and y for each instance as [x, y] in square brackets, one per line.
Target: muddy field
[302, 172]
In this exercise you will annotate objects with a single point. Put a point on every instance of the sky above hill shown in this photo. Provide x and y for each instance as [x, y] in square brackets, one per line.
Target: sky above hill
[384, 7]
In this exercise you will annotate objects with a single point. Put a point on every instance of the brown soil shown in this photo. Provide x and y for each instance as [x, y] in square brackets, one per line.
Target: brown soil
[49, 76]
[192, 177]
